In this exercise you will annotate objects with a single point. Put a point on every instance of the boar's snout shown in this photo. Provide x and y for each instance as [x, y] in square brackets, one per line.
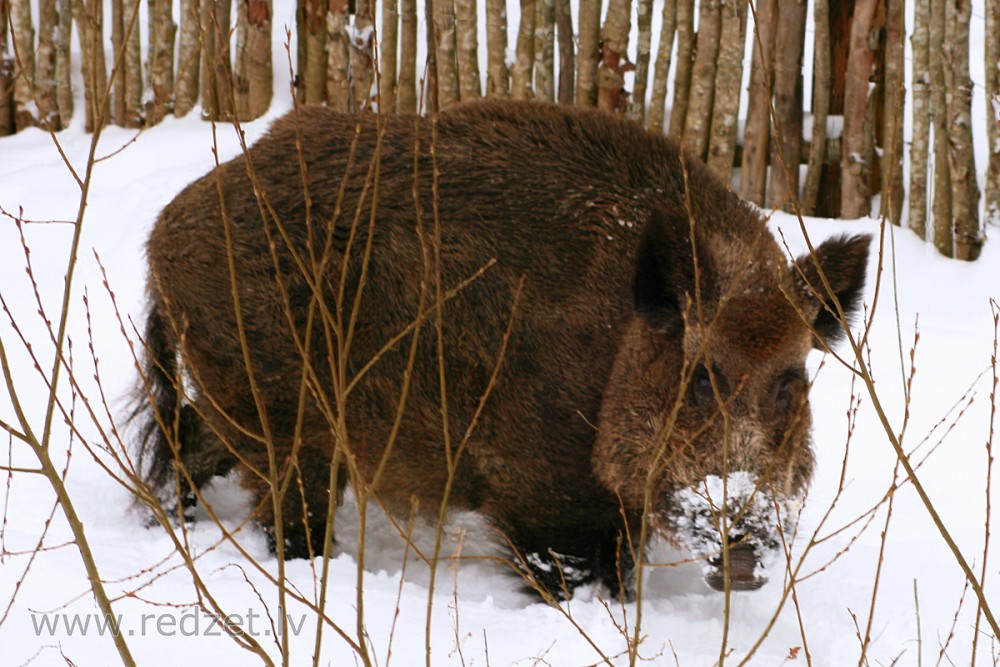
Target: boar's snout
[743, 570]
[755, 518]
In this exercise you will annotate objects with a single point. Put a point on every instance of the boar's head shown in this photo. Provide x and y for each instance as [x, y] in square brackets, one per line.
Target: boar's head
[705, 418]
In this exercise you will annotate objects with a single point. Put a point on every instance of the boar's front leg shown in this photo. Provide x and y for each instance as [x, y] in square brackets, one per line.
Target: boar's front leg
[554, 561]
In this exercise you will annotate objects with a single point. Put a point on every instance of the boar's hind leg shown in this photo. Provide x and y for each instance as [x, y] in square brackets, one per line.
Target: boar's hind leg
[559, 560]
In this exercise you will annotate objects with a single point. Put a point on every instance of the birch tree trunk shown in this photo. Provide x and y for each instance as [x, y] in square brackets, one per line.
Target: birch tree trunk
[260, 69]
[389, 41]
[315, 77]
[447, 67]
[362, 45]
[134, 116]
[23, 37]
[993, 111]
[301, 52]
[89, 18]
[64, 88]
[685, 63]
[408, 57]
[891, 158]
[855, 197]
[728, 86]
[664, 56]
[589, 53]
[430, 86]
[757, 133]
[45, 65]
[702, 92]
[611, 95]
[786, 149]
[524, 59]
[644, 23]
[822, 83]
[944, 230]
[216, 74]
[241, 78]
[921, 118]
[6, 74]
[467, 42]
[188, 58]
[118, 85]
[497, 77]
[962, 159]
[545, 27]
[162, 35]
[338, 81]
[567, 58]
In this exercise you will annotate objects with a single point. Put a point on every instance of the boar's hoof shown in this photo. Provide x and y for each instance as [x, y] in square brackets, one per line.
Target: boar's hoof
[742, 571]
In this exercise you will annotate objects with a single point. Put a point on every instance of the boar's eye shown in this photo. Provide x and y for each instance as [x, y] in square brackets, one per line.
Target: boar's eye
[788, 388]
[700, 386]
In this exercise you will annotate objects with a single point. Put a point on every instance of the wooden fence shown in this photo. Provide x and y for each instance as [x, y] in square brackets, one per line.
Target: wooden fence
[686, 78]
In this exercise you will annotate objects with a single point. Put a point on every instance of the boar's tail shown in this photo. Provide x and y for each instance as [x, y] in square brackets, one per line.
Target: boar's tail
[164, 423]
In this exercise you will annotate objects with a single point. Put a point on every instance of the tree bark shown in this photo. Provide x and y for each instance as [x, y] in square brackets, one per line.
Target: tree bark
[259, 65]
[567, 58]
[685, 63]
[728, 86]
[962, 159]
[992, 69]
[430, 85]
[786, 148]
[338, 80]
[822, 82]
[524, 59]
[216, 73]
[118, 84]
[315, 76]
[757, 133]
[89, 18]
[702, 92]
[23, 38]
[45, 65]
[467, 43]
[855, 197]
[497, 77]
[241, 77]
[362, 45]
[921, 119]
[389, 41]
[644, 23]
[188, 58]
[891, 159]
[6, 75]
[662, 70]
[447, 67]
[545, 26]
[162, 35]
[589, 53]
[64, 87]
[132, 64]
[408, 56]
[944, 230]
[611, 95]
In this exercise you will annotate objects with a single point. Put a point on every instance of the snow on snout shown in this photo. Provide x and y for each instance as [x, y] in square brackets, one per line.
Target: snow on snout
[752, 519]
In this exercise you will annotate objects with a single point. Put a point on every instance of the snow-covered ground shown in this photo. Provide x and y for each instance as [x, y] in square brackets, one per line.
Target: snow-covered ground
[478, 616]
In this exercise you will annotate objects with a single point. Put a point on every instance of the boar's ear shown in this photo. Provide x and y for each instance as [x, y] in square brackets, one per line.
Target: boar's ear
[844, 260]
[664, 268]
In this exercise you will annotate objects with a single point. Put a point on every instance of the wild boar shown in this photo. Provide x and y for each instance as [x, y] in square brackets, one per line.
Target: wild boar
[647, 335]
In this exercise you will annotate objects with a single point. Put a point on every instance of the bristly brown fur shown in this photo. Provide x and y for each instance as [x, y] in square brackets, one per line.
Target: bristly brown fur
[589, 210]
